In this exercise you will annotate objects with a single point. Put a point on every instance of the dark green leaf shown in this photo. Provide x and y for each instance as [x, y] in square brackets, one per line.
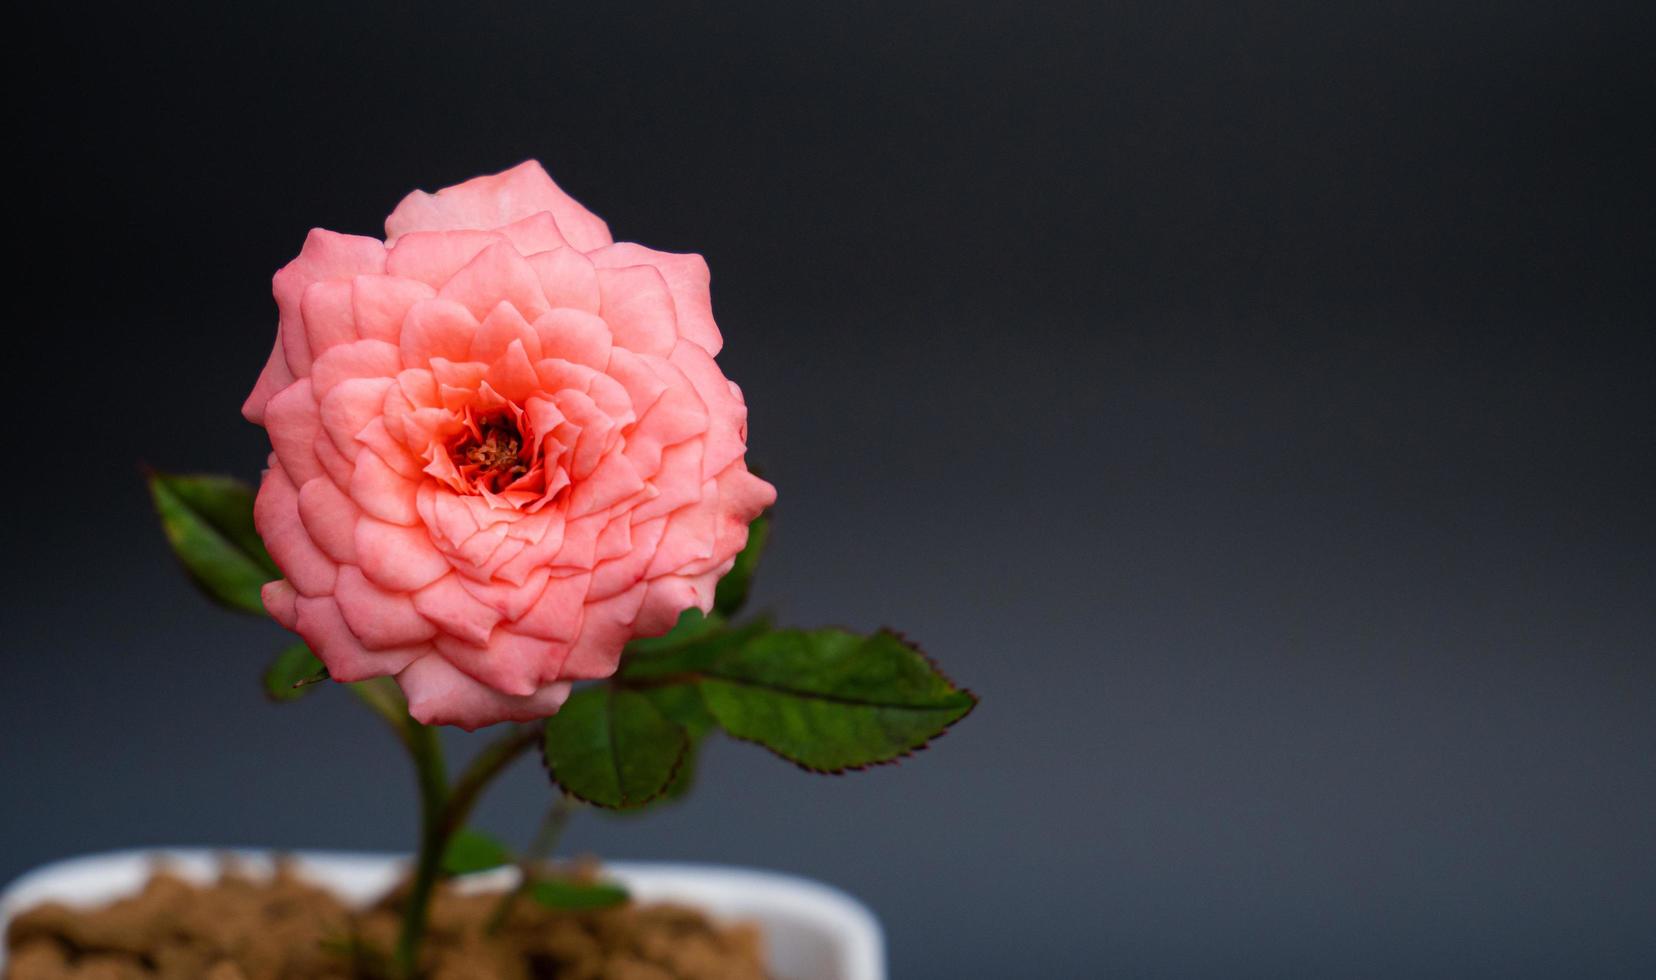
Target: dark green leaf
[562, 893]
[831, 700]
[613, 747]
[733, 588]
[681, 703]
[470, 851]
[208, 521]
[690, 656]
[685, 777]
[293, 674]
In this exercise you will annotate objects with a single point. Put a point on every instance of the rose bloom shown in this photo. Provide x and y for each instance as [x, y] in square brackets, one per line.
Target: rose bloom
[502, 449]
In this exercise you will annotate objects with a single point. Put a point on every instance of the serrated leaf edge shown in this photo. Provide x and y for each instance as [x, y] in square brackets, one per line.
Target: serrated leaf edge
[900, 756]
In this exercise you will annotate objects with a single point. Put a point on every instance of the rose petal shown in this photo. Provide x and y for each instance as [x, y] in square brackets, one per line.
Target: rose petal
[383, 492]
[607, 628]
[272, 379]
[363, 359]
[294, 425]
[436, 328]
[567, 279]
[447, 604]
[276, 515]
[325, 308]
[498, 200]
[434, 257]
[398, 558]
[440, 694]
[687, 278]
[278, 598]
[325, 255]
[325, 630]
[497, 273]
[381, 619]
[557, 612]
[348, 409]
[379, 304]
[329, 518]
[634, 301]
[497, 331]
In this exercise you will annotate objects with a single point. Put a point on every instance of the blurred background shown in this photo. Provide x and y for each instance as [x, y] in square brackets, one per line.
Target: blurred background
[1252, 402]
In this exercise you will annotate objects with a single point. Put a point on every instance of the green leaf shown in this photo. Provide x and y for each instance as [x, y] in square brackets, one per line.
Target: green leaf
[732, 590]
[690, 656]
[830, 700]
[562, 893]
[681, 703]
[208, 521]
[293, 674]
[613, 747]
[470, 851]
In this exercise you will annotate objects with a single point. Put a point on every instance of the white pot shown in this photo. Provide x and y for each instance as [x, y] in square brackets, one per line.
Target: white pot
[812, 931]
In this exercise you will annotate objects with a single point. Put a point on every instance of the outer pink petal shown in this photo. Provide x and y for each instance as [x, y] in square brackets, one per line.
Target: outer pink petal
[621, 573]
[605, 631]
[272, 379]
[380, 619]
[329, 321]
[567, 278]
[498, 200]
[557, 613]
[433, 257]
[328, 635]
[363, 359]
[440, 694]
[726, 412]
[666, 598]
[537, 233]
[692, 534]
[511, 663]
[380, 303]
[295, 425]
[687, 278]
[329, 518]
[326, 255]
[276, 515]
[279, 599]
[634, 301]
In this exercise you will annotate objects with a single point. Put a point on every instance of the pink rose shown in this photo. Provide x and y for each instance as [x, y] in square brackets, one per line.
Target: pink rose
[502, 449]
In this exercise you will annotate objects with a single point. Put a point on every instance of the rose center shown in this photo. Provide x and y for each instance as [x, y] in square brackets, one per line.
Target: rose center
[491, 453]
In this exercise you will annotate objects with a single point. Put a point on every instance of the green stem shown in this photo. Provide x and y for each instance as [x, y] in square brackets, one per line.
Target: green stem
[442, 812]
[427, 752]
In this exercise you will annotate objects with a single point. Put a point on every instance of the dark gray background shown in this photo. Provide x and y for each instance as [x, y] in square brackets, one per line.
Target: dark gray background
[1252, 402]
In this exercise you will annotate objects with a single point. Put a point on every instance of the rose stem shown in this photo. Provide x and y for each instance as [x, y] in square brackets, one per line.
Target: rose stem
[440, 821]
[557, 817]
[442, 810]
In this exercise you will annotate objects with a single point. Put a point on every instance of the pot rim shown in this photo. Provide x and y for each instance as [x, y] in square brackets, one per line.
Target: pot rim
[775, 898]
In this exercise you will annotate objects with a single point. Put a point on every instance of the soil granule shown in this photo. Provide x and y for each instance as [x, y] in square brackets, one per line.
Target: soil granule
[248, 927]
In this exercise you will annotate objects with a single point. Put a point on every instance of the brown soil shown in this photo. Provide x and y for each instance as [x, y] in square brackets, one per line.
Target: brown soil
[244, 928]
